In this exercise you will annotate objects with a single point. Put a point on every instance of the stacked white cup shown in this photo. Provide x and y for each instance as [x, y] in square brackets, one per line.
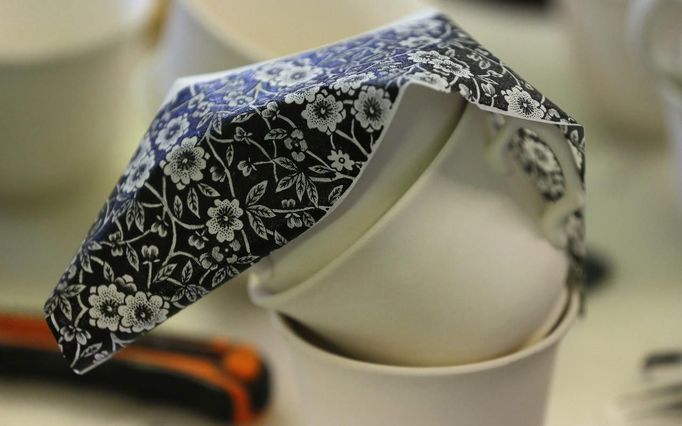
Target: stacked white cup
[441, 275]
[451, 293]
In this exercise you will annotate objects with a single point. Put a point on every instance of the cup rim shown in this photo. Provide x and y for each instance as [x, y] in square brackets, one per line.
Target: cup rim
[550, 340]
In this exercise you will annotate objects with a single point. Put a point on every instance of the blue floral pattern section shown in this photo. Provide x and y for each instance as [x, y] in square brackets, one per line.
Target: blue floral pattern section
[233, 168]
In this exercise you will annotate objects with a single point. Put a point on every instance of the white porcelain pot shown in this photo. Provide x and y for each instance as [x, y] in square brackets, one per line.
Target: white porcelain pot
[510, 390]
[458, 269]
[63, 67]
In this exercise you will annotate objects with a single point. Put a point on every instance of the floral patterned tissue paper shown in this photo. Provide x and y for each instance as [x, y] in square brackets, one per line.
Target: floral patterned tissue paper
[232, 168]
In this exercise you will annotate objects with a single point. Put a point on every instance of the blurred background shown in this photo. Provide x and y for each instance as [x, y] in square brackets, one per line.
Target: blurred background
[81, 79]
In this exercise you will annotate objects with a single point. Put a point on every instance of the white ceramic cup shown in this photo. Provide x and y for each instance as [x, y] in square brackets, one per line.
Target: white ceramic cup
[203, 36]
[63, 69]
[656, 32]
[457, 269]
[511, 390]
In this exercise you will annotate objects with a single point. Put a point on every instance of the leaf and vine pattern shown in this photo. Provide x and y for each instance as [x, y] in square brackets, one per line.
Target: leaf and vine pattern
[233, 168]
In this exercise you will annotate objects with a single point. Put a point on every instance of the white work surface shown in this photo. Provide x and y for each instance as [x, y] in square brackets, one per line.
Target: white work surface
[632, 220]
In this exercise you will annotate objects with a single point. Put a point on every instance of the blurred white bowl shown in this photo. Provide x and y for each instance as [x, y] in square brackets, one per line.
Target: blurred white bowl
[63, 66]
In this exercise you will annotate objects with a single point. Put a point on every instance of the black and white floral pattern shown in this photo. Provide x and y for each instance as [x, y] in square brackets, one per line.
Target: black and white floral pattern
[539, 162]
[233, 168]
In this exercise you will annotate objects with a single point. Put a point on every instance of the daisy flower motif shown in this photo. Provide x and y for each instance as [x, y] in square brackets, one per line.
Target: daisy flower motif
[539, 154]
[305, 95]
[453, 68]
[233, 83]
[137, 172]
[158, 124]
[171, 133]
[185, 163]
[271, 72]
[297, 74]
[522, 103]
[340, 160]
[324, 113]
[196, 100]
[224, 219]
[418, 41]
[371, 108]
[422, 57]
[141, 311]
[104, 304]
[235, 100]
[199, 105]
[350, 83]
[433, 80]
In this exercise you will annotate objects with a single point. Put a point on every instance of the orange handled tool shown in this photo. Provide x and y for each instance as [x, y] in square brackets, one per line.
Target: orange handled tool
[223, 380]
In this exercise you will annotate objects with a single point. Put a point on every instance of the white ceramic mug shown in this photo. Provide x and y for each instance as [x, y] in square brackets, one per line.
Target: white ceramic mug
[511, 390]
[203, 36]
[63, 69]
[656, 31]
[456, 270]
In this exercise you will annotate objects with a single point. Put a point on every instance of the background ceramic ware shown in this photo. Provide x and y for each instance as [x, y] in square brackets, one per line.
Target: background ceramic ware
[203, 36]
[458, 255]
[619, 89]
[510, 390]
[656, 31]
[63, 66]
